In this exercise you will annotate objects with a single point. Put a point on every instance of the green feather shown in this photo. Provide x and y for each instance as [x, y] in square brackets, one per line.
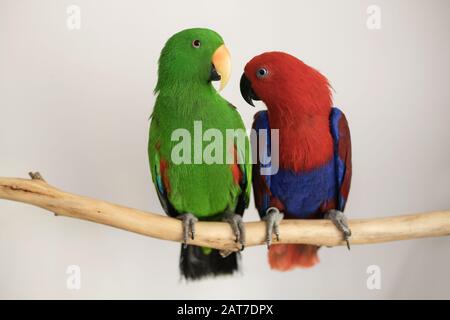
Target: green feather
[206, 250]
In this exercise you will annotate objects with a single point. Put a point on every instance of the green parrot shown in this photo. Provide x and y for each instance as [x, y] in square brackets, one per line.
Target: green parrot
[198, 182]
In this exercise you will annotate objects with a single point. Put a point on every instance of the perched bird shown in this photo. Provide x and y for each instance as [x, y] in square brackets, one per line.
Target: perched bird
[314, 169]
[190, 187]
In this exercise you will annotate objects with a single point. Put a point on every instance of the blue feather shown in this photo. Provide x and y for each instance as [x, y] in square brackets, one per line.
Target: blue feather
[335, 117]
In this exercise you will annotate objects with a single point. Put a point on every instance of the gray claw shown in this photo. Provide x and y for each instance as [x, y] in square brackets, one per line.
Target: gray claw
[237, 225]
[272, 218]
[340, 221]
[188, 220]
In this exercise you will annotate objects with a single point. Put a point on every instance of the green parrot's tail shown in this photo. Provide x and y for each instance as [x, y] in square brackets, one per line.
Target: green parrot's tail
[196, 263]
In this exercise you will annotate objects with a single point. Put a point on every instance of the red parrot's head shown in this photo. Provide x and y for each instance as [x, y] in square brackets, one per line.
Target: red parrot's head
[286, 84]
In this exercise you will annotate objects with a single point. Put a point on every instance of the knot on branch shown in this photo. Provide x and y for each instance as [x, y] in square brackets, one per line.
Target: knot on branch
[36, 176]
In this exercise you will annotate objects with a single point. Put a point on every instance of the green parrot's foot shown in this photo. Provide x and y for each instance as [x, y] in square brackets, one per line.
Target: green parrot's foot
[272, 218]
[237, 225]
[340, 221]
[188, 220]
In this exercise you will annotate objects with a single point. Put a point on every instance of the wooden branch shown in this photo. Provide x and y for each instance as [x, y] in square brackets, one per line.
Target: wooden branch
[218, 235]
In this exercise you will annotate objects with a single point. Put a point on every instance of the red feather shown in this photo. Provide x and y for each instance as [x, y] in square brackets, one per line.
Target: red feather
[285, 257]
[235, 170]
[163, 166]
[298, 100]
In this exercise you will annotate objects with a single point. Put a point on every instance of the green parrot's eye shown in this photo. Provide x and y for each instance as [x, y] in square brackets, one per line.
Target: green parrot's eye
[196, 44]
[262, 73]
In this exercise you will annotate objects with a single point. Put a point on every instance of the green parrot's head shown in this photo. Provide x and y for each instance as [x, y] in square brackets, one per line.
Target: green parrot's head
[193, 56]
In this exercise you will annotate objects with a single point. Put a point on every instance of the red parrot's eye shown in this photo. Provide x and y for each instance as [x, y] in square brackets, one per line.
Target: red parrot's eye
[262, 73]
[196, 44]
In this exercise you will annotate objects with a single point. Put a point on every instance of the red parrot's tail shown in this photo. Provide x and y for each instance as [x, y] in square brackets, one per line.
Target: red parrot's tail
[285, 257]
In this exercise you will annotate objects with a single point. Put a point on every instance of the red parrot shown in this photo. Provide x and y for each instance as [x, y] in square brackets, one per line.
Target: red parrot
[314, 167]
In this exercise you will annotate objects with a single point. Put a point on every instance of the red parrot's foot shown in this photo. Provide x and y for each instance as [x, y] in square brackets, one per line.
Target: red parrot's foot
[188, 220]
[237, 225]
[272, 218]
[340, 221]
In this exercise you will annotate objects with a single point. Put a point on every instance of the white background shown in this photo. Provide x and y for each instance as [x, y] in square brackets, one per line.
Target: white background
[75, 106]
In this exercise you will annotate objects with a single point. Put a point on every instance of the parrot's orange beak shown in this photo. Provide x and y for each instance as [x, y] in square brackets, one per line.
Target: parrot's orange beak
[221, 61]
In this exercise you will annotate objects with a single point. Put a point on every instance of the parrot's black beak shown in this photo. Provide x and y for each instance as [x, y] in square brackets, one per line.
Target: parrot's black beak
[247, 91]
[214, 75]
